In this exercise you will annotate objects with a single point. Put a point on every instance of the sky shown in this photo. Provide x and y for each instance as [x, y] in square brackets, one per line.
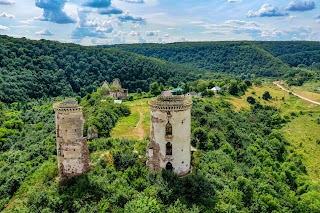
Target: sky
[96, 22]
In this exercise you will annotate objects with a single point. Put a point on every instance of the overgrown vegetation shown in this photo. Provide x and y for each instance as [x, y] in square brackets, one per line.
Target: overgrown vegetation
[243, 164]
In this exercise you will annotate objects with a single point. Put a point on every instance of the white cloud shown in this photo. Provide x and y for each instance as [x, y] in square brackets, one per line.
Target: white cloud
[4, 27]
[267, 10]
[119, 37]
[291, 17]
[45, 32]
[152, 33]
[197, 22]
[6, 15]
[6, 2]
[134, 1]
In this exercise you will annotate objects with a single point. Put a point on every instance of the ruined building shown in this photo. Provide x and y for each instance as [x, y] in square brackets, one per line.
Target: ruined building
[72, 150]
[114, 90]
[170, 133]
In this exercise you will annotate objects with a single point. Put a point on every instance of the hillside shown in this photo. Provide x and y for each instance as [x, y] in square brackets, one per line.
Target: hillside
[228, 57]
[33, 69]
[268, 58]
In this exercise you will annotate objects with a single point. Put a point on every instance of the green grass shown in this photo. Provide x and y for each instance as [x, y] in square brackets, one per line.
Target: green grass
[303, 133]
[129, 127]
[290, 103]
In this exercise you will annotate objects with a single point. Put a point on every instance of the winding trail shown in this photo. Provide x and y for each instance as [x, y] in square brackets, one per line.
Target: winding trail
[278, 83]
[138, 130]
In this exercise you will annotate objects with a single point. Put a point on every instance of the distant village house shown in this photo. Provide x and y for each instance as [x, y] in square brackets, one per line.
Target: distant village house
[216, 89]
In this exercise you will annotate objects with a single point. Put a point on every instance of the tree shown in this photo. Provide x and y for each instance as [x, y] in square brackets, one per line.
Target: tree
[233, 88]
[251, 100]
[266, 96]
[155, 89]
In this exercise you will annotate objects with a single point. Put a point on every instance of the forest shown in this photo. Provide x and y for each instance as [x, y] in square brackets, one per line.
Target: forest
[243, 162]
[240, 166]
[33, 69]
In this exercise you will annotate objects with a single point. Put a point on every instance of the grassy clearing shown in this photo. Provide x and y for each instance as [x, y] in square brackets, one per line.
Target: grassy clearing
[287, 104]
[257, 92]
[137, 124]
[303, 133]
[307, 90]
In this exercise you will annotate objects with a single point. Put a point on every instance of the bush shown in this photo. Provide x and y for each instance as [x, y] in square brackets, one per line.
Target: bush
[251, 100]
[266, 96]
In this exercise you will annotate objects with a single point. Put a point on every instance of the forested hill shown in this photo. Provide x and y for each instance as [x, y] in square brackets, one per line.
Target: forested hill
[249, 57]
[294, 52]
[227, 57]
[33, 69]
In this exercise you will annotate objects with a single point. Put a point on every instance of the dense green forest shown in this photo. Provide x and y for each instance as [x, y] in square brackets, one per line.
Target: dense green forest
[242, 165]
[227, 57]
[250, 57]
[33, 69]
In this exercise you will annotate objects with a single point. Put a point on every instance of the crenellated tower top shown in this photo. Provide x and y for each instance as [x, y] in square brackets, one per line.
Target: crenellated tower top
[171, 102]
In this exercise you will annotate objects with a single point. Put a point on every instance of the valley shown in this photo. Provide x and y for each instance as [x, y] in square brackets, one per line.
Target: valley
[257, 145]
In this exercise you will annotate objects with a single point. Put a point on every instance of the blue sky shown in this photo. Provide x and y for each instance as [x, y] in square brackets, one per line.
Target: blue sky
[92, 22]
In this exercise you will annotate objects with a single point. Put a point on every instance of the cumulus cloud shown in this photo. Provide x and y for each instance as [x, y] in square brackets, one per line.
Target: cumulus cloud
[259, 31]
[127, 17]
[98, 3]
[45, 32]
[6, 2]
[137, 33]
[6, 15]
[267, 10]
[152, 33]
[298, 5]
[134, 1]
[4, 27]
[110, 11]
[53, 11]
[119, 37]
[91, 28]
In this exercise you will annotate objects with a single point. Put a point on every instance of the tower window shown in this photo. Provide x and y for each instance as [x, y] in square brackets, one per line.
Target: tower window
[168, 129]
[168, 148]
[169, 166]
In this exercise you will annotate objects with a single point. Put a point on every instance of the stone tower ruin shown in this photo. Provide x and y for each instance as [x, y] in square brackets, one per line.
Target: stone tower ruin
[72, 150]
[170, 134]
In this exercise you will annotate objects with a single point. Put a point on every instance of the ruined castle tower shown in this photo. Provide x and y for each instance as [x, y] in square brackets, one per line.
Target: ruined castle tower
[170, 132]
[72, 150]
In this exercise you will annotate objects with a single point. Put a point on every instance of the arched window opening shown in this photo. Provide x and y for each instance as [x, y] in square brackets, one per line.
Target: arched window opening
[169, 166]
[168, 129]
[168, 148]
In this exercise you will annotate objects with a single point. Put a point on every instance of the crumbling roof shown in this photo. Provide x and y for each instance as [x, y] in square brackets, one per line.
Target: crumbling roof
[117, 84]
[105, 85]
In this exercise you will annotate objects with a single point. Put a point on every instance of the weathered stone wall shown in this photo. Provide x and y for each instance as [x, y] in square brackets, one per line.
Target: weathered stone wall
[180, 119]
[72, 150]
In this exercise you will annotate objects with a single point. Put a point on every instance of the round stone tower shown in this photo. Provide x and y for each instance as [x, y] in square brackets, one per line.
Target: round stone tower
[170, 130]
[72, 150]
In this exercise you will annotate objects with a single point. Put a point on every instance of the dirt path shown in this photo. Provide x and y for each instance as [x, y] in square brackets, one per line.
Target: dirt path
[138, 130]
[278, 83]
